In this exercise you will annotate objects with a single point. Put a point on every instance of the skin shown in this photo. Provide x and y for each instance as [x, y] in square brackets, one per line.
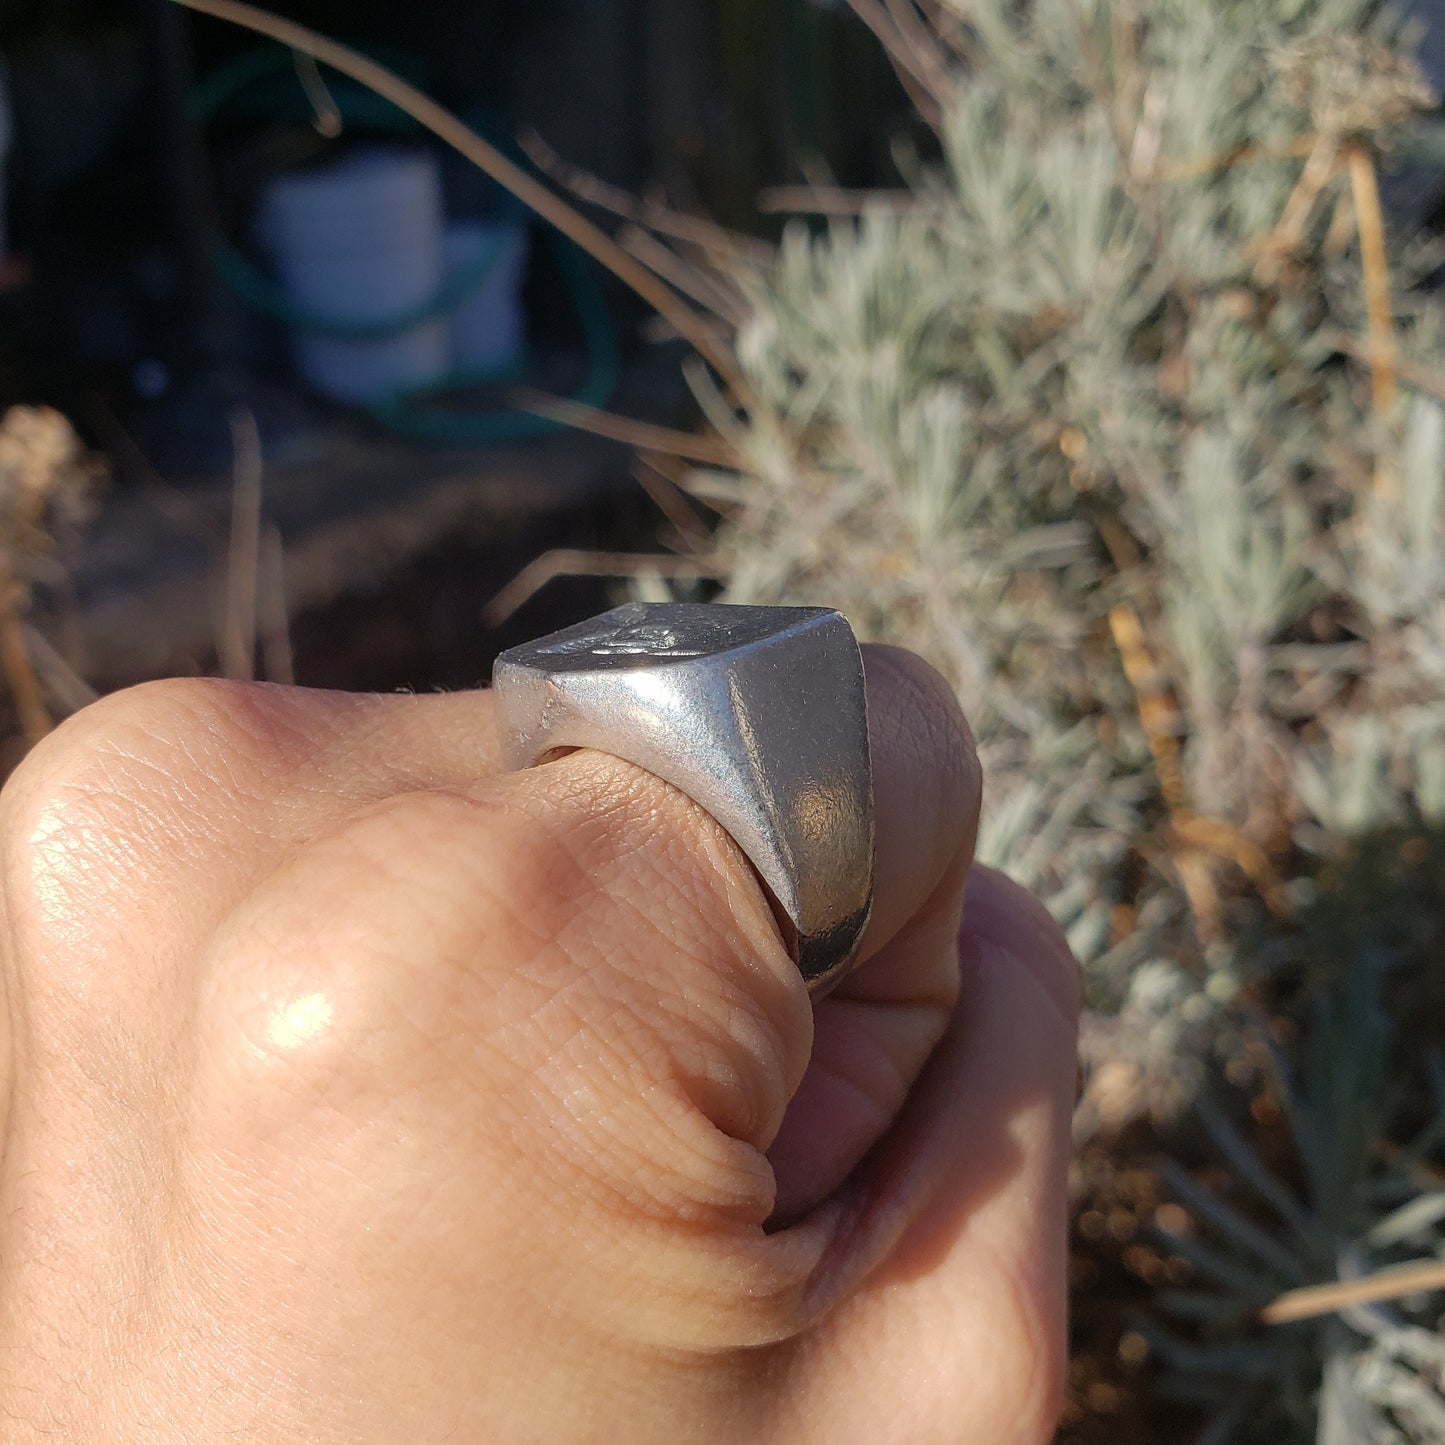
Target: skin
[354, 1091]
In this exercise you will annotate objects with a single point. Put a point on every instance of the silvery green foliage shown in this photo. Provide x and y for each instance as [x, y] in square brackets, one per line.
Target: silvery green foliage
[1067, 376]
[1384, 1386]
[1079, 370]
[1370, 1373]
[1390, 748]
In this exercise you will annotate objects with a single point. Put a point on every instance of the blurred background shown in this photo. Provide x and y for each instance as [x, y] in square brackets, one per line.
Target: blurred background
[1094, 349]
[198, 226]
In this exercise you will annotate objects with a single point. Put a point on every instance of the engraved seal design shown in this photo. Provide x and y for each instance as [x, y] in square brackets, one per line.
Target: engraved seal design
[643, 639]
[648, 640]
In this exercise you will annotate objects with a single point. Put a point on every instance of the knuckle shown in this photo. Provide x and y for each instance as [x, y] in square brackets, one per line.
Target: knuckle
[357, 950]
[396, 963]
[132, 770]
[124, 836]
[133, 748]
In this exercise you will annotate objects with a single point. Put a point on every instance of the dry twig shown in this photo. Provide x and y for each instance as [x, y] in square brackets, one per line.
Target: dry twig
[567, 562]
[668, 495]
[1197, 837]
[1420, 1276]
[1189, 168]
[727, 250]
[711, 451]
[238, 630]
[1371, 225]
[62, 683]
[273, 613]
[927, 89]
[829, 200]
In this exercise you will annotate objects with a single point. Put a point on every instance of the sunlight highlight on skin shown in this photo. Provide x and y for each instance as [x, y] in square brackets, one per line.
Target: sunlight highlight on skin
[300, 1021]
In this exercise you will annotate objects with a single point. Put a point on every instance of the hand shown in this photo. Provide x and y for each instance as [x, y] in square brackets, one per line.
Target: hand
[356, 1092]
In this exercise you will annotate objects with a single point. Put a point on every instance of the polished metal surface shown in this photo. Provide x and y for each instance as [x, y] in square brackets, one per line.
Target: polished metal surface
[756, 713]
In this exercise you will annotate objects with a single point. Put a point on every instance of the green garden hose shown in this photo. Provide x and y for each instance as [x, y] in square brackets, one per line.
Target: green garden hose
[263, 83]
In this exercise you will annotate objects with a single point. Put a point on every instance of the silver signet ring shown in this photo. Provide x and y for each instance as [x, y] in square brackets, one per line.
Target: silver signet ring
[758, 714]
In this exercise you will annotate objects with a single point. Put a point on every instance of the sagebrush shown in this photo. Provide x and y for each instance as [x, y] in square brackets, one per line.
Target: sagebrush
[1128, 415]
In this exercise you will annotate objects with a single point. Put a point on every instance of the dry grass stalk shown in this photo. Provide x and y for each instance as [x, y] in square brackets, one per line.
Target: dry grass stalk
[711, 451]
[925, 80]
[723, 248]
[690, 280]
[273, 614]
[326, 113]
[927, 57]
[828, 200]
[1197, 837]
[670, 498]
[1158, 712]
[1394, 1282]
[1288, 234]
[569, 562]
[1370, 223]
[25, 689]
[1193, 168]
[62, 683]
[1428, 379]
[238, 630]
[1160, 718]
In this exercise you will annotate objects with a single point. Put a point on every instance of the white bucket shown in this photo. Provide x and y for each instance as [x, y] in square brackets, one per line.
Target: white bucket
[361, 241]
[488, 329]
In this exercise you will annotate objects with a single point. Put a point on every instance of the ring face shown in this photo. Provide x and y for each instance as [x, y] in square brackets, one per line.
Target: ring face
[756, 713]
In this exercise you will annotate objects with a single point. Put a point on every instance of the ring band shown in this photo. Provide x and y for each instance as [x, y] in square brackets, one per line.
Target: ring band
[758, 714]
